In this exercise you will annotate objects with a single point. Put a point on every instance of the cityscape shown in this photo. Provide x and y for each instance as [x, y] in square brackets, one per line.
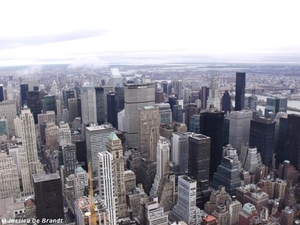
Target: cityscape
[149, 112]
[159, 144]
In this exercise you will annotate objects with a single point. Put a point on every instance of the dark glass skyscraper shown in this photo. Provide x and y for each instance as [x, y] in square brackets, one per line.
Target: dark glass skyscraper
[34, 104]
[262, 134]
[275, 105]
[212, 125]
[190, 109]
[292, 145]
[203, 95]
[67, 94]
[226, 102]
[48, 196]
[101, 103]
[240, 91]
[23, 92]
[172, 102]
[49, 104]
[177, 113]
[112, 115]
[1, 93]
[119, 93]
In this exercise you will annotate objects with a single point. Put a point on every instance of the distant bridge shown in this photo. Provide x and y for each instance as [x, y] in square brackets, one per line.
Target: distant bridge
[258, 88]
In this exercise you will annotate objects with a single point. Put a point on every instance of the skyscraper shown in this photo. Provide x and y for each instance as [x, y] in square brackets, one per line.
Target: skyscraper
[186, 208]
[180, 150]
[34, 104]
[8, 109]
[212, 125]
[48, 196]
[107, 185]
[239, 129]
[73, 109]
[49, 103]
[190, 110]
[177, 113]
[165, 112]
[112, 115]
[172, 102]
[114, 146]
[136, 96]
[262, 132]
[148, 132]
[213, 98]
[275, 105]
[96, 138]
[119, 91]
[88, 104]
[240, 85]
[203, 95]
[69, 159]
[23, 93]
[101, 103]
[292, 145]
[29, 142]
[226, 102]
[1, 93]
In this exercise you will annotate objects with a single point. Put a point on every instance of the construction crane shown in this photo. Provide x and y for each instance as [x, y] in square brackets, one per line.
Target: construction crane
[93, 217]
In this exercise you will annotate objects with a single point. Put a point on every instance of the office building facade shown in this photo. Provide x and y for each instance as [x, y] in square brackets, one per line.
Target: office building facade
[240, 86]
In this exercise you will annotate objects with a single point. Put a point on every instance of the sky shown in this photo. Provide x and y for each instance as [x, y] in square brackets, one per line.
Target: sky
[98, 33]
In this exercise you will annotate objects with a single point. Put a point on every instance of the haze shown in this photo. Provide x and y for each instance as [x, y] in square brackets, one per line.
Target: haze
[98, 33]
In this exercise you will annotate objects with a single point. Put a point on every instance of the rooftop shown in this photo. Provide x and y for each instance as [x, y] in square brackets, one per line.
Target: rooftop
[45, 177]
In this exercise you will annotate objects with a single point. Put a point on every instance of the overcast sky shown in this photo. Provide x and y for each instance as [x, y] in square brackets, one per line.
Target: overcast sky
[99, 31]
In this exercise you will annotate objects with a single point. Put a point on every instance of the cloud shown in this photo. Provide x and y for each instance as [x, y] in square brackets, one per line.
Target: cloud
[15, 42]
[91, 62]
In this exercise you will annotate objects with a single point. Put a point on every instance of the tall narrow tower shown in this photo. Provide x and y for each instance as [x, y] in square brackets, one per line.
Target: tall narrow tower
[29, 142]
[213, 98]
[114, 146]
[240, 85]
[88, 104]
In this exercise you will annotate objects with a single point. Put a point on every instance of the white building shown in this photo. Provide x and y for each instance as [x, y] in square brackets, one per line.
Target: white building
[153, 213]
[88, 104]
[106, 185]
[9, 177]
[162, 163]
[186, 208]
[54, 88]
[121, 120]
[116, 77]
[64, 133]
[96, 138]
[80, 181]
[29, 143]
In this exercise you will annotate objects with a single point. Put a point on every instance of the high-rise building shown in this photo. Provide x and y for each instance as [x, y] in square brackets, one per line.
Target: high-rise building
[114, 146]
[148, 131]
[172, 101]
[73, 109]
[228, 173]
[177, 113]
[180, 150]
[116, 77]
[69, 159]
[136, 96]
[119, 92]
[48, 196]
[54, 88]
[9, 177]
[101, 103]
[159, 96]
[240, 86]
[80, 181]
[275, 105]
[68, 94]
[8, 109]
[88, 104]
[262, 133]
[49, 104]
[287, 216]
[64, 133]
[226, 102]
[203, 95]
[96, 138]
[213, 98]
[112, 115]
[239, 129]
[107, 185]
[195, 124]
[212, 125]
[34, 104]
[29, 143]
[165, 112]
[292, 144]
[81, 153]
[247, 213]
[23, 95]
[190, 110]
[1, 93]
[3, 129]
[186, 209]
